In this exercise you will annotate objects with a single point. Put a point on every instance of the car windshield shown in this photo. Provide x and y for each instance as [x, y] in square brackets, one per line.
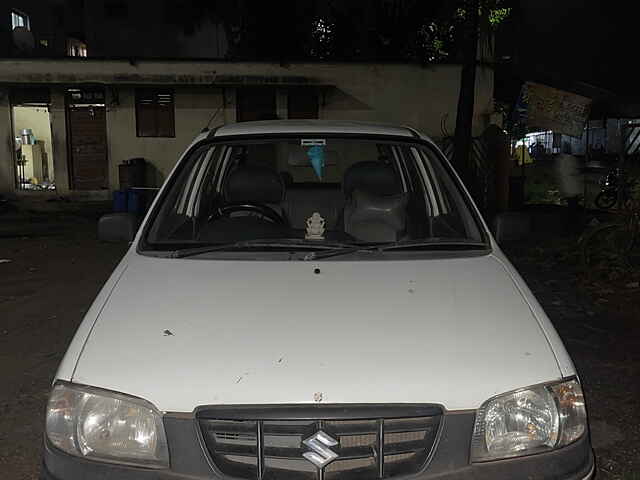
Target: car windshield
[310, 193]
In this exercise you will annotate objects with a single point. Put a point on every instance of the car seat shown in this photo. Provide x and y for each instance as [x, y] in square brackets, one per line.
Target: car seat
[375, 209]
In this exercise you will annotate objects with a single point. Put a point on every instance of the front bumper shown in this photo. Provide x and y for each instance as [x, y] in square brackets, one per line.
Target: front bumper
[189, 460]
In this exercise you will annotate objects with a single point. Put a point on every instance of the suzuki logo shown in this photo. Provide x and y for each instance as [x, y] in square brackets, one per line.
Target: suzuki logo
[321, 455]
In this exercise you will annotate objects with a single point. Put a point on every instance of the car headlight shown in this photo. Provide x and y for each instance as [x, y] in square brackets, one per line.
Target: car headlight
[530, 420]
[107, 426]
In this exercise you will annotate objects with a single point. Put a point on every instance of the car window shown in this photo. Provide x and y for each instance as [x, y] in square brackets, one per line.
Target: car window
[347, 190]
[188, 194]
[447, 204]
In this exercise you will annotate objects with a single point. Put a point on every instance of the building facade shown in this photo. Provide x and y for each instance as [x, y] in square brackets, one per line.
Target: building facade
[103, 112]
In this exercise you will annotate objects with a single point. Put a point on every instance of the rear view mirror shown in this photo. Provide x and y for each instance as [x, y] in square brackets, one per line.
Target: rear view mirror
[118, 227]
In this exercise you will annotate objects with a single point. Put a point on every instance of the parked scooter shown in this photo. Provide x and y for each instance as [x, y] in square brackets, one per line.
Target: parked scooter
[609, 186]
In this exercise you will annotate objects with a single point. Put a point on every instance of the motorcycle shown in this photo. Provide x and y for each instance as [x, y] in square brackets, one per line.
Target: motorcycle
[609, 187]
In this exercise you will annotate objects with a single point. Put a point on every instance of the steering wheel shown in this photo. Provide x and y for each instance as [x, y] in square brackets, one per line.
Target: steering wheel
[263, 211]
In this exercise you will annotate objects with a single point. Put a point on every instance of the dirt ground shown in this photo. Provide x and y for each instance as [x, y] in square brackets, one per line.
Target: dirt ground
[57, 267]
[598, 319]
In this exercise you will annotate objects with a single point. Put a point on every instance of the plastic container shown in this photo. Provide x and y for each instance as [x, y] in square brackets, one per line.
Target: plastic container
[120, 201]
[27, 137]
[132, 173]
[135, 201]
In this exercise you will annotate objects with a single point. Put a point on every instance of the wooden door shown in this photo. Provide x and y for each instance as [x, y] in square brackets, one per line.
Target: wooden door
[303, 103]
[88, 147]
[255, 103]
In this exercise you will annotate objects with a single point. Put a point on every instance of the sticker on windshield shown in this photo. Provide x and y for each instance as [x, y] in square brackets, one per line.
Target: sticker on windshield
[310, 142]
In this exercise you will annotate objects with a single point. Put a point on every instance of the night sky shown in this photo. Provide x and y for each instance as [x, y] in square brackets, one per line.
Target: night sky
[595, 42]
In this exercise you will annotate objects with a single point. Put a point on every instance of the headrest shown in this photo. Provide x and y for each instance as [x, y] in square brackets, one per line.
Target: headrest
[371, 177]
[388, 209]
[254, 184]
[374, 218]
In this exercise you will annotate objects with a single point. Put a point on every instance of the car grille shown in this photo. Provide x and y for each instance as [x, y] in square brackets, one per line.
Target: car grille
[372, 442]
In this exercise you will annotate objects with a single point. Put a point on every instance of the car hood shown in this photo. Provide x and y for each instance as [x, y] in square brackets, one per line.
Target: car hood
[188, 332]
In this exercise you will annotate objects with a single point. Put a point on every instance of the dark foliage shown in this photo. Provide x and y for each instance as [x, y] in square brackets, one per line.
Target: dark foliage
[363, 30]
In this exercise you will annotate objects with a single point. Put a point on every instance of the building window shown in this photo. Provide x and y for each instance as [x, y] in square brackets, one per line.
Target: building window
[302, 103]
[19, 19]
[155, 113]
[76, 48]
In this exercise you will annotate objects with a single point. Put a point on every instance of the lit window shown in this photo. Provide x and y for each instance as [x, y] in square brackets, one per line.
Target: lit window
[76, 48]
[19, 20]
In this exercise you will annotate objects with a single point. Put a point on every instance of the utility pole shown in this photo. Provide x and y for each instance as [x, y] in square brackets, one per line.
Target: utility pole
[464, 120]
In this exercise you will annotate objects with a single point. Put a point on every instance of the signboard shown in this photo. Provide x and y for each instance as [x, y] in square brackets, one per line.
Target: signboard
[557, 110]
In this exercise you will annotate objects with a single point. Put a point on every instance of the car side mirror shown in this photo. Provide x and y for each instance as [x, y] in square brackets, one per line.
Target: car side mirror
[509, 226]
[118, 227]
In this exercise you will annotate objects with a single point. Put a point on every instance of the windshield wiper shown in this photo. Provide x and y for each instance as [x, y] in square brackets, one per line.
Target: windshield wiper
[247, 244]
[330, 249]
[432, 244]
[346, 250]
[424, 244]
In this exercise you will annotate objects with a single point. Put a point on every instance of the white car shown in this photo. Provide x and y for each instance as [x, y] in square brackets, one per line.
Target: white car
[314, 300]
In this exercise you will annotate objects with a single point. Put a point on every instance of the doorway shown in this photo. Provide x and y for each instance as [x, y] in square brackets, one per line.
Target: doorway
[87, 137]
[256, 103]
[33, 148]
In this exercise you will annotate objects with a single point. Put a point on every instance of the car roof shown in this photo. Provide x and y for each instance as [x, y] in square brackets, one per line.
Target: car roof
[266, 127]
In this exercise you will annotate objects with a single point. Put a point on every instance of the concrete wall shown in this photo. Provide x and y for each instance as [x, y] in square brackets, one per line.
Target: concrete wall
[413, 96]
[424, 98]
[403, 93]
[193, 108]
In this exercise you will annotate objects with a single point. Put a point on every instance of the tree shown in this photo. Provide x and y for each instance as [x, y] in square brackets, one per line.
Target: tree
[478, 18]
[420, 31]
[463, 138]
